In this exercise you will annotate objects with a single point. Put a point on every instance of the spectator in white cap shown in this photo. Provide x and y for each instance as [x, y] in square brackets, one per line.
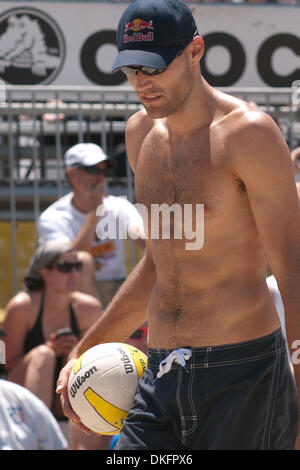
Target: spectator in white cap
[74, 218]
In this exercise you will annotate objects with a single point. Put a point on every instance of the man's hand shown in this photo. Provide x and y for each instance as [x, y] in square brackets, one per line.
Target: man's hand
[62, 390]
[91, 198]
[94, 195]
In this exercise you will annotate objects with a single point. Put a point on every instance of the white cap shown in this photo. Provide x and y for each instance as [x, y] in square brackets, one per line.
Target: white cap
[85, 154]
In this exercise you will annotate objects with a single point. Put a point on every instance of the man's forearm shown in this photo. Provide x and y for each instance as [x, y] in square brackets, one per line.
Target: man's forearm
[84, 238]
[126, 312]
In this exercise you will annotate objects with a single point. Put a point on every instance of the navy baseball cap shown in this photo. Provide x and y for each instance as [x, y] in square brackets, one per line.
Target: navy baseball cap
[152, 32]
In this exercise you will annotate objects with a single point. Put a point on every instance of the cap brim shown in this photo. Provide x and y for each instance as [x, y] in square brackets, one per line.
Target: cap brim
[157, 58]
[94, 160]
[90, 160]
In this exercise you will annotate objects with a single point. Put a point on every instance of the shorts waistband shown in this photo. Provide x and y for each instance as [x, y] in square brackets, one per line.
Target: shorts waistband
[220, 355]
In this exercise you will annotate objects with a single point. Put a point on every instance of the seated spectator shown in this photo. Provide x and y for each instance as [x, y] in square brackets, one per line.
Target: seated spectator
[74, 218]
[53, 116]
[45, 321]
[25, 421]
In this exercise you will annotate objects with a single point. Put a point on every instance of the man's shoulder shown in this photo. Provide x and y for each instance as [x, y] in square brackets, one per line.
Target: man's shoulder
[63, 203]
[137, 128]
[253, 144]
[240, 119]
[249, 120]
[139, 121]
[256, 133]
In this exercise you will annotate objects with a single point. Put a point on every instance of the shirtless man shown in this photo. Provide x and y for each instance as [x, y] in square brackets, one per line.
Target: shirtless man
[218, 376]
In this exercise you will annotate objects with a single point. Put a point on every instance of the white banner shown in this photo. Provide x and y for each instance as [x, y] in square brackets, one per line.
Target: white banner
[74, 43]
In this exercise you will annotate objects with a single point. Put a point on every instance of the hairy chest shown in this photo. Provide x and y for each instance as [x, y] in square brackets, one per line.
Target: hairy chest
[192, 171]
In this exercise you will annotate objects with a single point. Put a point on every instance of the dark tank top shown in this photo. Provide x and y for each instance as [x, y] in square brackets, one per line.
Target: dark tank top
[35, 336]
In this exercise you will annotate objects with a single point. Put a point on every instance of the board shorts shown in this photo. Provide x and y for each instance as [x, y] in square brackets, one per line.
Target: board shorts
[236, 396]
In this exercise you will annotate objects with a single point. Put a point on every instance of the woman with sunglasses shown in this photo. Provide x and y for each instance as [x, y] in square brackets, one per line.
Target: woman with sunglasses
[46, 320]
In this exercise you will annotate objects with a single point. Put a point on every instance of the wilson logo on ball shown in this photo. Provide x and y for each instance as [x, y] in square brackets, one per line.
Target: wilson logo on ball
[126, 361]
[102, 385]
[80, 381]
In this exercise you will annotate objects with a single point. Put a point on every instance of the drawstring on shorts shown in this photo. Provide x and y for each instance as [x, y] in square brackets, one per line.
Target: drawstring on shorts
[178, 355]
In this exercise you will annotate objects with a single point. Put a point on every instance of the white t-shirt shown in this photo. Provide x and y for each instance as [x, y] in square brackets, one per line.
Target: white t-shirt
[25, 421]
[62, 220]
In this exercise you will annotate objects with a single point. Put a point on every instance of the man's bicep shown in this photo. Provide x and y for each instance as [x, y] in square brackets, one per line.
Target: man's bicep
[264, 165]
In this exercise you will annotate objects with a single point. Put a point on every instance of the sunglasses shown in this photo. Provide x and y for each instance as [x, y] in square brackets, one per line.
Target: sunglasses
[133, 71]
[139, 333]
[92, 170]
[66, 267]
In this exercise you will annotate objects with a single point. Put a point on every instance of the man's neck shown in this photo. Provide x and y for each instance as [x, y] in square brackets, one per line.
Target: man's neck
[196, 113]
[80, 204]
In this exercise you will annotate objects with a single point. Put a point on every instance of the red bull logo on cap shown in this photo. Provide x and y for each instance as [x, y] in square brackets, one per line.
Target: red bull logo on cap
[136, 28]
[137, 25]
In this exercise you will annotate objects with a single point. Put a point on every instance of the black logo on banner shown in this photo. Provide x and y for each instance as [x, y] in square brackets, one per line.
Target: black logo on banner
[89, 63]
[32, 47]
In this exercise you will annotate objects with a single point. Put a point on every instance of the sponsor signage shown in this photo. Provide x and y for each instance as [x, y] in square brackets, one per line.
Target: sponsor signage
[75, 43]
[32, 47]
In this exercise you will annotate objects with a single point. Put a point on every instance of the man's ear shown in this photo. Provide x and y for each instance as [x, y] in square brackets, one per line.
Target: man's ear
[197, 48]
[70, 174]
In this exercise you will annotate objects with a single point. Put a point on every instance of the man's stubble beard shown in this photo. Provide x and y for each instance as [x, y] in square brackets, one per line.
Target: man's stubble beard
[172, 105]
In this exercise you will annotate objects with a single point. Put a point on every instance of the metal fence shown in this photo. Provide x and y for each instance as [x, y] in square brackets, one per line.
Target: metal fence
[38, 124]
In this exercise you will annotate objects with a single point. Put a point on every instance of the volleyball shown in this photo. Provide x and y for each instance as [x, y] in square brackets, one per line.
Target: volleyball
[102, 385]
